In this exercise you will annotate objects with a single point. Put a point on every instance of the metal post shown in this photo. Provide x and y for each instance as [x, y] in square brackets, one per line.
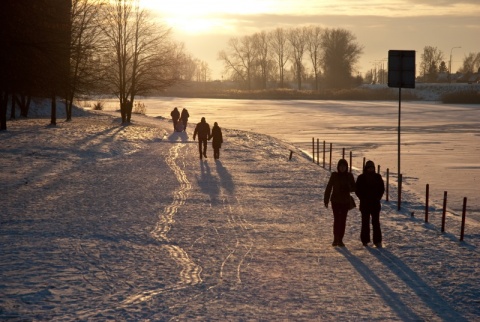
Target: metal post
[426, 202]
[318, 151]
[324, 154]
[313, 150]
[350, 161]
[444, 213]
[399, 191]
[330, 168]
[388, 179]
[464, 212]
[343, 153]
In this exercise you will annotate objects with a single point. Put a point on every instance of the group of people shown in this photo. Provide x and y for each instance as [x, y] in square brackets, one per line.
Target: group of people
[202, 130]
[180, 120]
[369, 189]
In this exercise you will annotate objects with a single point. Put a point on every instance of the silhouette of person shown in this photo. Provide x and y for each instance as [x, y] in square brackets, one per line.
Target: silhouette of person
[339, 186]
[175, 114]
[217, 140]
[184, 118]
[203, 131]
[370, 188]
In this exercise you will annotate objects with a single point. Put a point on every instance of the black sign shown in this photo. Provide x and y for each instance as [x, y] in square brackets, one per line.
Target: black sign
[401, 68]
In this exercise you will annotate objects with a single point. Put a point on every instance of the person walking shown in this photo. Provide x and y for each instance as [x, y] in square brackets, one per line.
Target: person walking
[339, 187]
[203, 131]
[370, 188]
[184, 118]
[217, 140]
[175, 114]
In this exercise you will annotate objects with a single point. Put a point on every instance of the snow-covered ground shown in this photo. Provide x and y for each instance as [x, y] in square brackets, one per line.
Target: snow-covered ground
[124, 223]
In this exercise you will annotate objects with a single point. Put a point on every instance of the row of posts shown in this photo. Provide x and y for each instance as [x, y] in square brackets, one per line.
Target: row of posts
[462, 231]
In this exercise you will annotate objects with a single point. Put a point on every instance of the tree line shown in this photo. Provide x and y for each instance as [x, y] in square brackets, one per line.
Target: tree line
[325, 57]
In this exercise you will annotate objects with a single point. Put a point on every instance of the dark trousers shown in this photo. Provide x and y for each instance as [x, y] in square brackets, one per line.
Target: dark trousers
[340, 212]
[374, 213]
[202, 150]
[216, 153]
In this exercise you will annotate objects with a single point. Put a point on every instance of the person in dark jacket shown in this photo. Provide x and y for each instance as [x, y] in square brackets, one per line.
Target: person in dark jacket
[217, 140]
[370, 188]
[339, 187]
[184, 118]
[203, 131]
[175, 114]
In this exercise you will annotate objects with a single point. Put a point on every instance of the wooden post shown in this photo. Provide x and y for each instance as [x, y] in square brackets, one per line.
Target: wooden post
[324, 154]
[399, 191]
[427, 195]
[388, 179]
[378, 168]
[318, 151]
[464, 213]
[444, 212]
[291, 154]
[363, 166]
[343, 153]
[350, 161]
[330, 168]
[313, 150]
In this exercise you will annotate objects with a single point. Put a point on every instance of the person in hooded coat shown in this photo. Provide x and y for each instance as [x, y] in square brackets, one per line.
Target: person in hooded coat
[184, 117]
[217, 140]
[175, 114]
[370, 188]
[203, 131]
[339, 187]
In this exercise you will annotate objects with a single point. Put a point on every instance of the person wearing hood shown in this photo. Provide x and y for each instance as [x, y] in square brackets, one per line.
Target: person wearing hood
[175, 114]
[184, 118]
[370, 188]
[217, 140]
[203, 131]
[339, 187]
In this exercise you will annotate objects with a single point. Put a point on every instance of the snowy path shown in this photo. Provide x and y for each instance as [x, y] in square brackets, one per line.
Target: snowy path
[101, 222]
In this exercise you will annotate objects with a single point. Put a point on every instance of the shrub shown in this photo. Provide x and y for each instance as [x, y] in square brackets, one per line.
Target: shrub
[98, 106]
[139, 108]
[461, 97]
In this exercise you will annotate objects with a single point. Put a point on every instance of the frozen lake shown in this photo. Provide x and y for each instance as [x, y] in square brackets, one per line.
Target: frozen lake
[439, 142]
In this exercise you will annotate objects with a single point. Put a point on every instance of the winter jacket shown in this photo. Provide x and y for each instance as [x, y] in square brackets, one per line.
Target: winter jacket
[217, 138]
[369, 188]
[203, 130]
[339, 186]
[184, 115]
[175, 114]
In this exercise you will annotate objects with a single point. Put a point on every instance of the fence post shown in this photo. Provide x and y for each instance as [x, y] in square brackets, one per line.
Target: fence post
[318, 151]
[388, 179]
[427, 193]
[350, 161]
[343, 153]
[313, 150]
[363, 166]
[330, 168]
[324, 154]
[399, 191]
[378, 168]
[464, 211]
[444, 213]
[291, 154]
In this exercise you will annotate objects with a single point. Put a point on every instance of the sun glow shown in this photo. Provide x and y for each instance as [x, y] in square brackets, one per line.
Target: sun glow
[200, 16]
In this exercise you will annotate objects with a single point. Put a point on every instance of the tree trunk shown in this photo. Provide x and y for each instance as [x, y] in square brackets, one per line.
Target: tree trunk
[3, 111]
[12, 111]
[68, 108]
[53, 119]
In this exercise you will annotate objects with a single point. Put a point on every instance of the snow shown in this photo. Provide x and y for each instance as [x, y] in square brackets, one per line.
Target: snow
[107, 222]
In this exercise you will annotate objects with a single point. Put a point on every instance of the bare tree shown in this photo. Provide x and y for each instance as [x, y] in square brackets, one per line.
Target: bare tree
[298, 41]
[260, 41]
[431, 58]
[314, 42]
[240, 59]
[85, 44]
[340, 54]
[280, 51]
[143, 57]
[471, 63]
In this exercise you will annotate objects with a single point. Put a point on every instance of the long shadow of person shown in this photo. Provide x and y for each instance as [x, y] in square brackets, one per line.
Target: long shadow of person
[178, 137]
[426, 293]
[208, 183]
[225, 177]
[390, 297]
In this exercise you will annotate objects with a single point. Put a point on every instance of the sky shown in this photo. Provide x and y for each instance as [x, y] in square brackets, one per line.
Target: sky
[205, 26]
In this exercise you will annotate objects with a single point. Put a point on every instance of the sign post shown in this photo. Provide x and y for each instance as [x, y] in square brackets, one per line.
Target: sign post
[401, 74]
